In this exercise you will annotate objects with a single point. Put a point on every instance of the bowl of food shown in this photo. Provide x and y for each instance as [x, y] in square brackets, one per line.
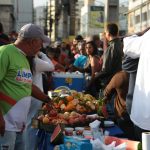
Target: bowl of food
[68, 131]
[79, 130]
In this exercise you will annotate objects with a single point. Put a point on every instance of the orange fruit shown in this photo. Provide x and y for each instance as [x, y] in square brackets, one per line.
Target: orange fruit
[69, 98]
[45, 120]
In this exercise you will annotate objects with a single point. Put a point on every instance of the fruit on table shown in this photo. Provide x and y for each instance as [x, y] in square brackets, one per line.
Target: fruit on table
[66, 118]
[53, 113]
[70, 106]
[40, 117]
[70, 109]
[74, 114]
[46, 107]
[78, 101]
[46, 120]
[69, 98]
[57, 136]
[66, 115]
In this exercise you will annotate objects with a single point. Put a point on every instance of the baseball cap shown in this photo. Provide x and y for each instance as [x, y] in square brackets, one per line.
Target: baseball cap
[33, 31]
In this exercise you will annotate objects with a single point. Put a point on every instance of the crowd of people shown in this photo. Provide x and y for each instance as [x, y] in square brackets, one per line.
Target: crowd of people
[118, 67]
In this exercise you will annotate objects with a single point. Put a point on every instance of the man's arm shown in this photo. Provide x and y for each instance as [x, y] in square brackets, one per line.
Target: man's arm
[138, 33]
[133, 43]
[37, 93]
[142, 32]
[110, 89]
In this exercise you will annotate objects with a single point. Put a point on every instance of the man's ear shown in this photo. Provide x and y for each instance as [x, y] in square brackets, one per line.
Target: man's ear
[109, 35]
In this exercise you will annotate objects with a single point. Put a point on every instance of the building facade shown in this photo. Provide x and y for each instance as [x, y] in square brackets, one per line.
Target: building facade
[40, 16]
[123, 18]
[79, 5]
[23, 12]
[15, 13]
[6, 15]
[54, 11]
[138, 15]
[92, 19]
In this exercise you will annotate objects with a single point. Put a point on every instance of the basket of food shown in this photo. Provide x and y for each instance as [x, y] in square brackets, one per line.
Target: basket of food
[75, 101]
[69, 111]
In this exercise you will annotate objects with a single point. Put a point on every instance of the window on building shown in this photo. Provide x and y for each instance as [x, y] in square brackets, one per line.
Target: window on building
[144, 16]
[122, 17]
[137, 19]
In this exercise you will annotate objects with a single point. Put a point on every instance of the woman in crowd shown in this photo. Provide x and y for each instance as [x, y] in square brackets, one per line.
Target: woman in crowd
[82, 59]
[92, 66]
[54, 54]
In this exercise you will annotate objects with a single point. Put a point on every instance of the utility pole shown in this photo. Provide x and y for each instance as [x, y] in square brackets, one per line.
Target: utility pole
[111, 11]
[72, 17]
[50, 20]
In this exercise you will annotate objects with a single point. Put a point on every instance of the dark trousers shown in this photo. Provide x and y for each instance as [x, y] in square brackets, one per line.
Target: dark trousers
[127, 126]
[138, 133]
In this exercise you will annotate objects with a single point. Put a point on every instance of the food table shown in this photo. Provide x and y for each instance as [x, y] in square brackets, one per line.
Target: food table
[70, 109]
[44, 141]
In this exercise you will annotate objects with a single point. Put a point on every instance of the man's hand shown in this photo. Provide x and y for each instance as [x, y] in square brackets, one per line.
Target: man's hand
[2, 125]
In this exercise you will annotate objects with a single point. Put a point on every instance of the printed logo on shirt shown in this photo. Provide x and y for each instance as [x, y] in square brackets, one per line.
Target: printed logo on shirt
[24, 76]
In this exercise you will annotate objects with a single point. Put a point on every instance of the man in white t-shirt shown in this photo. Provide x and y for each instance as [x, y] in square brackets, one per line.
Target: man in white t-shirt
[41, 64]
[138, 47]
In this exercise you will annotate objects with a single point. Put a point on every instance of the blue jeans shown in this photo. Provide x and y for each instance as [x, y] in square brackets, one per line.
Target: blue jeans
[110, 107]
[44, 140]
[12, 141]
[30, 133]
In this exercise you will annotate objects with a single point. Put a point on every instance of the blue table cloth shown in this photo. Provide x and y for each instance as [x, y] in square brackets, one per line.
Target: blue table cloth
[44, 137]
[115, 131]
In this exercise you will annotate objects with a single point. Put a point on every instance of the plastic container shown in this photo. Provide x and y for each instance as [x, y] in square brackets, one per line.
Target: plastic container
[87, 134]
[74, 81]
[68, 131]
[79, 131]
[75, 143]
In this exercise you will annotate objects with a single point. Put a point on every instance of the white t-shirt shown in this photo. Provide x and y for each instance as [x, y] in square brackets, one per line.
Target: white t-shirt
[140, 47]
[41, 65]
[16, 117]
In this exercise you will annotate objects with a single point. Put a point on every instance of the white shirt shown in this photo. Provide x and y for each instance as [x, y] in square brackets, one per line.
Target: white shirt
[16, 117]
[140, 47]
[41, 65]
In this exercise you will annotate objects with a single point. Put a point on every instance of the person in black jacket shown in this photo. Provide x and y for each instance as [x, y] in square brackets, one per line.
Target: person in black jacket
[112, 57]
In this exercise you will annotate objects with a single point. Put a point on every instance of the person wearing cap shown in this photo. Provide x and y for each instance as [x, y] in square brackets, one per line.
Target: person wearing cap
[16, 85]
